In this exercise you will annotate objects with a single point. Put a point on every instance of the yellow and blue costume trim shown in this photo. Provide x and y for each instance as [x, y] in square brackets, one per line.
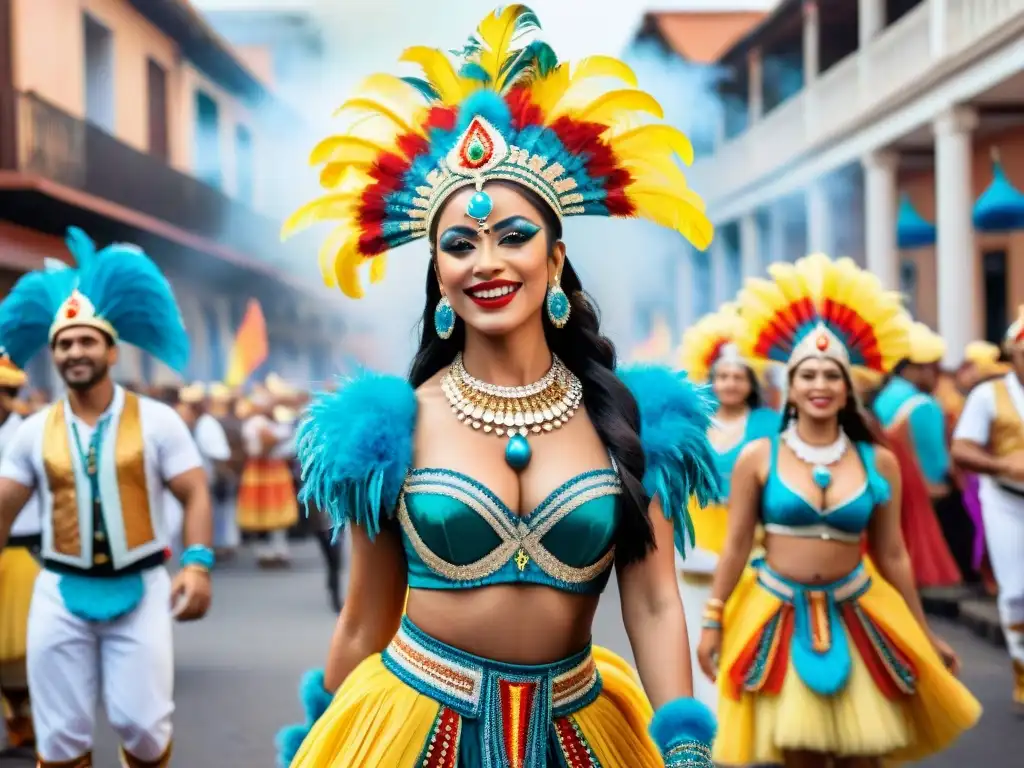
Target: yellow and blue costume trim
[841, 668]
[503, 108]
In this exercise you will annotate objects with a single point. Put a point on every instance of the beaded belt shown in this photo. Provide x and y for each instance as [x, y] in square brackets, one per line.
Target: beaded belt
[516, 705]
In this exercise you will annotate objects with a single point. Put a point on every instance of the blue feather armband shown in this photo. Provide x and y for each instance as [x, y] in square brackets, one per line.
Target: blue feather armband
[355, 448]
[315, 701]
[684, 730]
[674, 420]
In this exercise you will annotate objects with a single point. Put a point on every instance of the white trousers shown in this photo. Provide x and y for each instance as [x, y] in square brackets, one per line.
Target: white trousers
[225, 524]
[1003, 514]
[131, 659]
[695, 596]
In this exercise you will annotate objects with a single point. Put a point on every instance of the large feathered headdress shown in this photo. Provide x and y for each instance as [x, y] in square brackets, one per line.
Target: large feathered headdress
[118, 290]
[711, 340]
[584, 139]
[824, 309]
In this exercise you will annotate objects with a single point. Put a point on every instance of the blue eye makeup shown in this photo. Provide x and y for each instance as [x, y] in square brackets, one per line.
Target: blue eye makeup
[457, 240]
[516, 230]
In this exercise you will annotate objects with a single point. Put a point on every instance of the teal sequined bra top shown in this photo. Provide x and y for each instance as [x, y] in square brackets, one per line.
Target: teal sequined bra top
[458, 534]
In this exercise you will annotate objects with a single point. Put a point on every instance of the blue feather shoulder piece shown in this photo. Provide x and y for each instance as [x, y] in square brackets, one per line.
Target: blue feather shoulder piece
[674, 419]
[355, 448]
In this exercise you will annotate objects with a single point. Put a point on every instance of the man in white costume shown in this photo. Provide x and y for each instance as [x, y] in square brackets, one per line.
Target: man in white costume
[989, 441]
[100, 458]
[18, 572]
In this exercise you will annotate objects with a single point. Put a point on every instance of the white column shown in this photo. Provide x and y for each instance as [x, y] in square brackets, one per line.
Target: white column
[777, 248]
[880, 210]
[939, 28]
[720, 281]
[755, 86]
[750, 246]
[812, 33]
[820, 237]
[685, 312]
[870, 20]
[956, 266]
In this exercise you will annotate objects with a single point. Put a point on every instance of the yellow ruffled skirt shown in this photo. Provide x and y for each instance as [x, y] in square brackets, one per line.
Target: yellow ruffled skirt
[710, 526]
[843, 669]
[423, 704]
[18, 571]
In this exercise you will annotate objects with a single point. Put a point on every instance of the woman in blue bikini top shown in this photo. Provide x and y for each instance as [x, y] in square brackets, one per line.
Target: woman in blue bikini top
[491, 493]
[810, 617]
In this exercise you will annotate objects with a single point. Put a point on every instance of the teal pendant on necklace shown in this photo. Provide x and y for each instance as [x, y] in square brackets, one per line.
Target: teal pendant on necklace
[480, 206]
[822, 476]
[518, 452]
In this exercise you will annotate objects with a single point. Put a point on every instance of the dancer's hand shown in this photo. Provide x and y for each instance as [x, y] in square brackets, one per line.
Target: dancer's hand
[1013, 466]
[190, 594]
[708, 651]
[947, 654]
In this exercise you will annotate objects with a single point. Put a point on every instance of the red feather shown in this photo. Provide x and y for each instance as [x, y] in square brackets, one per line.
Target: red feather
[524, 112]
[372, 241]
[441, 117]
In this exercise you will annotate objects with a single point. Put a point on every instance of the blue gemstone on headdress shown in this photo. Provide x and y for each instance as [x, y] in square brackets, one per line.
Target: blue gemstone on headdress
[480, 206]
[518, 452]
[822, 476]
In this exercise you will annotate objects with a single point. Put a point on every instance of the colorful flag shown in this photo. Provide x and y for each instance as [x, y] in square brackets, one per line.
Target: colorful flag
[250, 347]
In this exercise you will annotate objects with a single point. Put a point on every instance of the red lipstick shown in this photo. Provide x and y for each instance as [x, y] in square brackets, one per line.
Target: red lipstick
[500, 293]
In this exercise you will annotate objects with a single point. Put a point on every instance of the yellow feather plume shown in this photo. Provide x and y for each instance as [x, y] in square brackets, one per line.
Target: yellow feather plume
[847, 299]
[451, 88]
[703, 341]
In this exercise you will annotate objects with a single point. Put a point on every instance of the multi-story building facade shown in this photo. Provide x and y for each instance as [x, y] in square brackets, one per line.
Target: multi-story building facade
[134, 120]
[836, 110]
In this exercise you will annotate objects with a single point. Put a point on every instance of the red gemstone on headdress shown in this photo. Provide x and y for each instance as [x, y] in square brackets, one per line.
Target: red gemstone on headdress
[477, 147]
[822, 342]
[72, 308]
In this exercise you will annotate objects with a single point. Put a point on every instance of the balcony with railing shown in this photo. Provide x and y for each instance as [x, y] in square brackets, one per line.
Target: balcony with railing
[919, 48]
[39, 140]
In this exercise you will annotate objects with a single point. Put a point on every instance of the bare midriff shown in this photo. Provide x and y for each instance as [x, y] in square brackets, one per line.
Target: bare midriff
[511, 623]
[810, 560]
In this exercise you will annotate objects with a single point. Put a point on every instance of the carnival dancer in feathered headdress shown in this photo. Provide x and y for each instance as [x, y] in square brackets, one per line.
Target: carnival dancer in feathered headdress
[18, 572]
[989, 441]
[817, 652]
[709, 355]
[101, 458]
[504, 556]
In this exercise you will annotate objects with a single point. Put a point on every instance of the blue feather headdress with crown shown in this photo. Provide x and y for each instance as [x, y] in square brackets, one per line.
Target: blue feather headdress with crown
[118, 290]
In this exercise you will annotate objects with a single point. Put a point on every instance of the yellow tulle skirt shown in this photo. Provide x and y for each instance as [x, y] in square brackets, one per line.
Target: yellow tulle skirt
[709, 526]
[18, 571]
[377, 720]
[766, 708]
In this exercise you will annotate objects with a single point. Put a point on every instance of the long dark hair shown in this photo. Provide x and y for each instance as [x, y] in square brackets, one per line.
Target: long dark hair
[852, 418]
[588, 354]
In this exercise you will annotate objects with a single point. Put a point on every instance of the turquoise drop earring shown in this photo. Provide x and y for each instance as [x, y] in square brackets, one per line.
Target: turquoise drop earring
[558, 306]
[444, 318]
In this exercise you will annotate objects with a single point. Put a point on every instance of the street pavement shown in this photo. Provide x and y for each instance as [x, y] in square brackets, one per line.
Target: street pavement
[238, 672]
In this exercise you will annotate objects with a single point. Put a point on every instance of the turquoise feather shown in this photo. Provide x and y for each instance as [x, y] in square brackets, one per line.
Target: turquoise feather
[425, 88]
[127, 289]
[315, 700]
[355, 448]
[674, 420]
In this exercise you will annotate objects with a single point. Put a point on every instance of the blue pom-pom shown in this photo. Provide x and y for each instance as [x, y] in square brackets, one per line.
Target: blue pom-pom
[674, 420]
[314, 697]
[682, 720]
[488, 105]
[355, 447]
[315, 701]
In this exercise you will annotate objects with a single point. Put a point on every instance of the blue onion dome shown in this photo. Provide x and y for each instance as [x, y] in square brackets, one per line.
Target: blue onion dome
[912, 229]
[1000, 208]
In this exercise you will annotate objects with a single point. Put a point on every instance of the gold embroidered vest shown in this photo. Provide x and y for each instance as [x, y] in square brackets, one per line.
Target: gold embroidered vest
[135, 528]
[1006, 434]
